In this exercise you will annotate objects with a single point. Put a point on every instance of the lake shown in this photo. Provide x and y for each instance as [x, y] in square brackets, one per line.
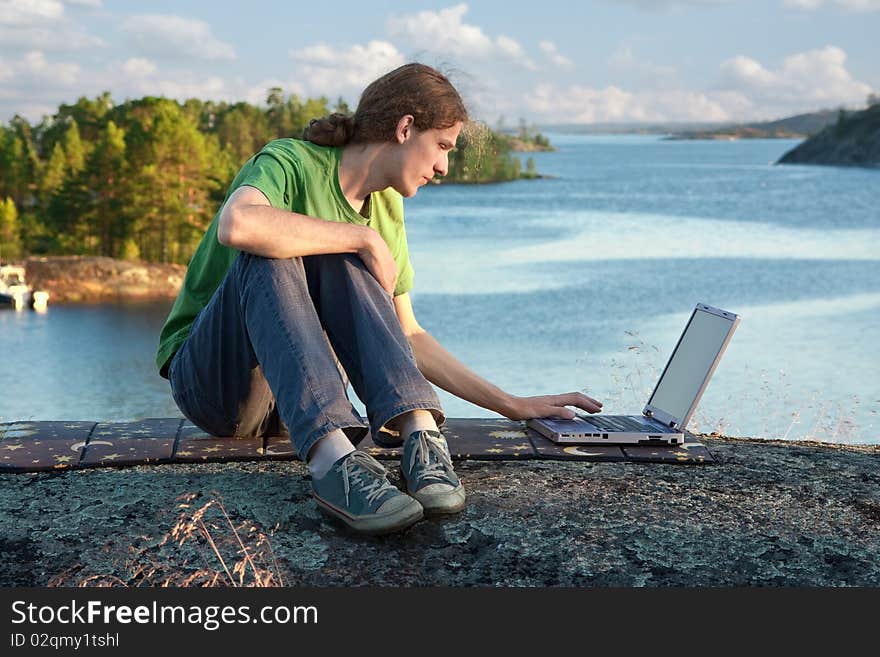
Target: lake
[581, 281]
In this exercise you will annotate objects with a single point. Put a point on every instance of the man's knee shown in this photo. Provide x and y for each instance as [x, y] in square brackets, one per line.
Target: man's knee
[248, 265]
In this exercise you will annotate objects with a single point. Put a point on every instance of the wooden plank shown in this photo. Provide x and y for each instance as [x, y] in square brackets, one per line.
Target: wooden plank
[131, 443]
[41, 446]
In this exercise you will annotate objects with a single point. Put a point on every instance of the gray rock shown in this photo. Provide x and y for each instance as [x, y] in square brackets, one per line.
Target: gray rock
[854, 140]
[769, 513]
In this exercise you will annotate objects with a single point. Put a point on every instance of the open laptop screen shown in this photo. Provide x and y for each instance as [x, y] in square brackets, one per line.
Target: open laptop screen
[691, 364]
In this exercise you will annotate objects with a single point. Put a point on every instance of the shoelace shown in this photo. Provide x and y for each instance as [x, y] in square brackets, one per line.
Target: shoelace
[365, 472]
[427, 446]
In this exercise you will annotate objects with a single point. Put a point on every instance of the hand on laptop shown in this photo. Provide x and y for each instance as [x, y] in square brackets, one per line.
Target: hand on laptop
[554, 406]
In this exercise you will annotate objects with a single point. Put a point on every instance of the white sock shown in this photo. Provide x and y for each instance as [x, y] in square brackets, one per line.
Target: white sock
[327, 451]
[419, 420]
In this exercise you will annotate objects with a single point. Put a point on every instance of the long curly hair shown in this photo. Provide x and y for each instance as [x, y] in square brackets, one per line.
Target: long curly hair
[415, 89]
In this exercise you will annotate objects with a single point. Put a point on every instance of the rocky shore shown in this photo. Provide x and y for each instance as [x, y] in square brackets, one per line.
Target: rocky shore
[854, 140]
[90, 279]
[769, 513]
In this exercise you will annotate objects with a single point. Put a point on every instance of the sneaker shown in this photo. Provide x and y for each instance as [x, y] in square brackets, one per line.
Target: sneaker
[357, 491]
[427, 471]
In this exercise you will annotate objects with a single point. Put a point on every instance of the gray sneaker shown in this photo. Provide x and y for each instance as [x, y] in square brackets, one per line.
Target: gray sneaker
[357, 491]
[427, 471]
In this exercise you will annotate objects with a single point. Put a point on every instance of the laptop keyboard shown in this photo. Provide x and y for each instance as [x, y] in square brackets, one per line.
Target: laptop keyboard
[618, 423]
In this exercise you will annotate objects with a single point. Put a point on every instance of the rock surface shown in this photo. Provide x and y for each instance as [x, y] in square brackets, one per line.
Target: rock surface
[854, 140]
[93, 279]
[790, 514]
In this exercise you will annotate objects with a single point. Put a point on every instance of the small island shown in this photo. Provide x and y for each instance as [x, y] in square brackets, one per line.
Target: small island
[485, 156]
[853, 140]
[792, 127]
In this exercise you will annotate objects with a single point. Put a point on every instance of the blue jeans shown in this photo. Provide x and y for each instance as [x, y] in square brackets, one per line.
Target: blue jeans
[261, 357]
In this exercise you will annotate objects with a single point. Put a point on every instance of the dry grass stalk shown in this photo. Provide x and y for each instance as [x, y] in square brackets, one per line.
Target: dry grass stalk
[231, 555]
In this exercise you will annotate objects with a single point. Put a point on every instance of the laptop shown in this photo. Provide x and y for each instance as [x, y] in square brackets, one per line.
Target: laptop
[674, 400]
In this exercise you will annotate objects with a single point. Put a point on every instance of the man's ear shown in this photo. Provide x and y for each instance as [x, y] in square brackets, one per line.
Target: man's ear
[404, 128]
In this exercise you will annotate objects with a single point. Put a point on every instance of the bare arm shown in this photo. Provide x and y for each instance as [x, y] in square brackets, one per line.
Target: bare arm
[443, 370]
[248, 222]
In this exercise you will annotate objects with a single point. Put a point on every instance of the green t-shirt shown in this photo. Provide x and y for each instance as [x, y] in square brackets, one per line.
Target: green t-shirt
[294, 175]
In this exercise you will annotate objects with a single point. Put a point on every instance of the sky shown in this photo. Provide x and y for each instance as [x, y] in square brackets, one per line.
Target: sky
[553, 61]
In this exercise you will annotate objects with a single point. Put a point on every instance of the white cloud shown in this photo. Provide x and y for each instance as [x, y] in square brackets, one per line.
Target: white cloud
[742, 70]
[860, 5]
[28, 83]
[46, 38]
[663, 5]
[582, 104]
[815, 79]
[139, 67]
[445, 32]
[34, 86]
[176, 37]
[803, 4]
[625, 61]
[556, 58]
[747, 90]
[515, 51]
[85, 3]
[29, 12]
[40, 25]
[256, 93]
[33, 67]
[325, 70]
[180, 86]
[442, 30]
[138, 76]
[850, 5]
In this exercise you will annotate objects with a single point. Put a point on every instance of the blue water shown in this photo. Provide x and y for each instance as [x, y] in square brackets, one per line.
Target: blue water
[582, 281]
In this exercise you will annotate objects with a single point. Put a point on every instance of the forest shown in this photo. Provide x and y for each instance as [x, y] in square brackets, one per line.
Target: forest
[142, 180]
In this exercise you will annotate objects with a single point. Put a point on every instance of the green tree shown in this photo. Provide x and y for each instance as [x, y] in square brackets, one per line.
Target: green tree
[313, 108]
[21, 165]
[143, 178]
[90, 116]
[12, 183]
[173, 187]
[243, 130]
[107, 178]
[88, 214]
[74, 149]
[277, 112]
[10, 239]
[53, 175]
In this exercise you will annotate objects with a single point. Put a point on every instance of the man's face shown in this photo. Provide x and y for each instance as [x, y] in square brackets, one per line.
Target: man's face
[424, 154]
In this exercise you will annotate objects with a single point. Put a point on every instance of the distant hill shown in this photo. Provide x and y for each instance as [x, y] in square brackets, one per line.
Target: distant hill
[853, 140]
[625, 128]
[792, 127]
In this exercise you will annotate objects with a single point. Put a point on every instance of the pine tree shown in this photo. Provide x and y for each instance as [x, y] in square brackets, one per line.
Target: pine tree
[10, 240]
[243, 130]
[53, 175]
[173, 187]
[106, 173]
[74, 149]
[21, 165]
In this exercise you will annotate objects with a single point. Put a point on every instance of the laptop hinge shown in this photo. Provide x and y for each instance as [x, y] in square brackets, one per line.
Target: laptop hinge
[648, 413]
